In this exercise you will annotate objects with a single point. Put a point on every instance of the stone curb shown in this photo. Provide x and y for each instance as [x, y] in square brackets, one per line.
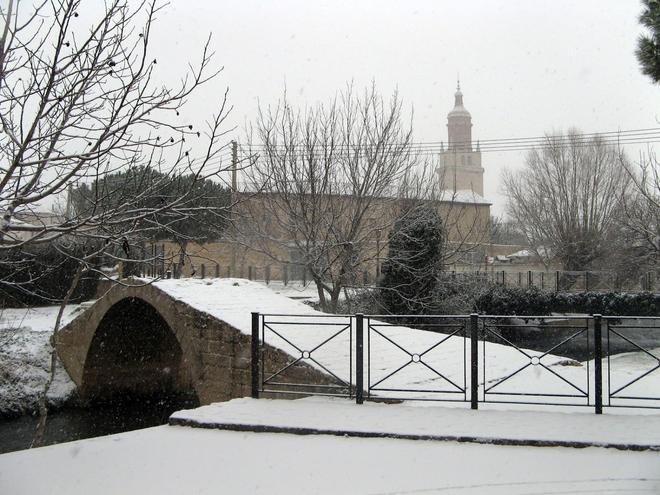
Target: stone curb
[405, 436]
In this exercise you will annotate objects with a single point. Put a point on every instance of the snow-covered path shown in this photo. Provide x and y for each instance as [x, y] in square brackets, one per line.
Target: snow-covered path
[176, 460]
[341, 417]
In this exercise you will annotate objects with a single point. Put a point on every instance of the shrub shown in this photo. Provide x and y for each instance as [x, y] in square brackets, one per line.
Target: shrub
[456, 293]
[499, 300]
[42, 275]
[413, 262]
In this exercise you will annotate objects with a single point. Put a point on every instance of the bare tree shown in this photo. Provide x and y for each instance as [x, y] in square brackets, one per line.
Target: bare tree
[567, 198]
[81, 100]
[641, 207]
[325, 180]
[327, 183]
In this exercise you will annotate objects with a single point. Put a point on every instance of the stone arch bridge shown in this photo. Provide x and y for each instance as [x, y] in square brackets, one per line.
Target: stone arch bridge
[141, 340]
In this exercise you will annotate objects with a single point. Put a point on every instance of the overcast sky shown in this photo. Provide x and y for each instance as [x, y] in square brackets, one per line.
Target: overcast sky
[526, 67]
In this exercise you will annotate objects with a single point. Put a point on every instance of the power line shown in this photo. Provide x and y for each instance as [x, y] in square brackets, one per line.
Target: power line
[609, 138]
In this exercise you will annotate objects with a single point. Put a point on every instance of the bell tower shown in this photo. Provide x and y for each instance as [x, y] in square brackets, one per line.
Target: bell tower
[460, 164]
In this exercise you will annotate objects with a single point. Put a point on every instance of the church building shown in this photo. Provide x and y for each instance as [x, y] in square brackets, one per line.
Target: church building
[460, 168]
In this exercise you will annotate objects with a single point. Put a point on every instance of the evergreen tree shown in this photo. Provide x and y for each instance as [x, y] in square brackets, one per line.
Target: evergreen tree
[410, 272]
[648, 45]
[203, 219]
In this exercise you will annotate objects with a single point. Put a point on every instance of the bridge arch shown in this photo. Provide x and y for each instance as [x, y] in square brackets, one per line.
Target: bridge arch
[163, 342]
[132, 340]
[134, 351]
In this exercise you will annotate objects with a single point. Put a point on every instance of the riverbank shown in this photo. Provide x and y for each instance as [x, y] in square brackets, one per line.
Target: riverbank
[25, 354]
[70, 422]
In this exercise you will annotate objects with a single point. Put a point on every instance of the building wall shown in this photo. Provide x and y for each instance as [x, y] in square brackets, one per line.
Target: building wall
[461, 171]
[243, 256]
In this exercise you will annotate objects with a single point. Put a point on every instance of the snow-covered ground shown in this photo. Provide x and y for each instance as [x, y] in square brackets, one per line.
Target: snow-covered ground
[295, 290]
[417, 354]
[25, 358]
[24, 353]
[404, 420]
[176, 459]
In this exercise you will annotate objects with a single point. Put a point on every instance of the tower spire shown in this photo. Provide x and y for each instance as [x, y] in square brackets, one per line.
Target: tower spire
[459, 123]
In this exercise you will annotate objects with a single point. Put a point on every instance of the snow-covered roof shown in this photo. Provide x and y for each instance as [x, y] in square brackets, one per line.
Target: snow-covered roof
[463, 196]
[17, 222]
[528, 253]
[447, 195]
[523, 253]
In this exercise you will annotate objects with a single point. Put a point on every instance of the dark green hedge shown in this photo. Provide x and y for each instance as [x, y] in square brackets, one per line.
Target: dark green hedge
[41, 275]
[498, 300]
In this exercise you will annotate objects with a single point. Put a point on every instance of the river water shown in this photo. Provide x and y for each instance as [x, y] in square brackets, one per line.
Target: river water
[76, 423]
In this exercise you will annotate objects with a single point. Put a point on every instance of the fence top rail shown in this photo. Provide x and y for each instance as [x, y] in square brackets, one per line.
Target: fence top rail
[523, 317]
[631, 316]
[542, 317]
[417, 316]
[321, 315]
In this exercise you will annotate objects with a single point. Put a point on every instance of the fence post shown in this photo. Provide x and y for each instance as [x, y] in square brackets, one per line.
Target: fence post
[359, 358]
[250, 272]
[598, 363]
[503, 278]
[557, 281]
[267, 274]
[586, 281]
[217, 271]
[474, 361]
[530, 278]
[203, 271]
[162, 258]
[285, 274]
[254, 363]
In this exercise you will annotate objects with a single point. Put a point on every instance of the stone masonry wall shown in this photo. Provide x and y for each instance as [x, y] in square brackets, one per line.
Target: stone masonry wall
[215, 357]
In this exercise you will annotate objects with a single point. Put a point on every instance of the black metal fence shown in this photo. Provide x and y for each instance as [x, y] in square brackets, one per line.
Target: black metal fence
[562, 280]
[464, 358]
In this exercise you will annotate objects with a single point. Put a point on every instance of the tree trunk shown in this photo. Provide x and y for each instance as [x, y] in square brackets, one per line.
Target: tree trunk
[43, 400]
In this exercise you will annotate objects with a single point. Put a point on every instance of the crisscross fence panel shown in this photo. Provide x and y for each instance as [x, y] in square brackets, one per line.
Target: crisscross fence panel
[431, 367]
[590, 361]
[633, 361]
[320, 349]
[532, 368]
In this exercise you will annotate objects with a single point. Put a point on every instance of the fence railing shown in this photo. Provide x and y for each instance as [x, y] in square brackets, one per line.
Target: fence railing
[320, 349]
[590, 361]
[564, 281]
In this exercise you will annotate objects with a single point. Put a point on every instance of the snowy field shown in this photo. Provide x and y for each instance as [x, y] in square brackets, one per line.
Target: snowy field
[176, 460]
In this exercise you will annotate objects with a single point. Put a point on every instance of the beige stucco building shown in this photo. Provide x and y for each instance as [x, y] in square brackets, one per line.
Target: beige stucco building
[464, 212]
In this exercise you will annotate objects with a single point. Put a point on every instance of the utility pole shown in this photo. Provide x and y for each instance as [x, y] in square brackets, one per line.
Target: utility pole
[234, 190]
[234, 166]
